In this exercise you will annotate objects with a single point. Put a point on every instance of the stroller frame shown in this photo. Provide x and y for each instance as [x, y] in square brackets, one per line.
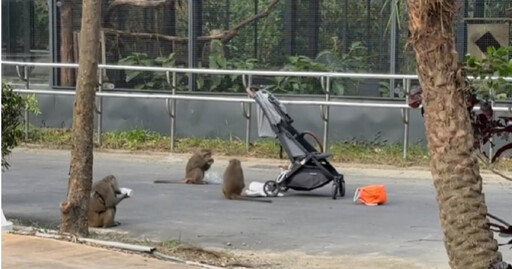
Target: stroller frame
[309, 171]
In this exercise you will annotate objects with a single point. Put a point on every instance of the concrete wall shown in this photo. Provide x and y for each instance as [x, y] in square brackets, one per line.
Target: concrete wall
[222, 119]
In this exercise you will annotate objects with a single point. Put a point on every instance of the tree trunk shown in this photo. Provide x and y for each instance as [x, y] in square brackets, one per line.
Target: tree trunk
[454, 167]
[67, 75]
[74, 209]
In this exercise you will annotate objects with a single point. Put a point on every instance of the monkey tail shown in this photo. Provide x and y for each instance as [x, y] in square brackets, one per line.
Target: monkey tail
[171, 181]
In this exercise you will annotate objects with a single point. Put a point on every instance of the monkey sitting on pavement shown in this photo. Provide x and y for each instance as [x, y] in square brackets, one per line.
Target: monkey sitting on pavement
[233, 183]
[199, 163]
[103, 202]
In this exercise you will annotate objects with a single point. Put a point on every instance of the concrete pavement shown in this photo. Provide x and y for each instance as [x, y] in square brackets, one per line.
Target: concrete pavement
[407, 227]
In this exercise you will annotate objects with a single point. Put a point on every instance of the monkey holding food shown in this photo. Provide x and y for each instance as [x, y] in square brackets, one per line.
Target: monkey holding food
[197, 165]
[103, 202]
[233, 183]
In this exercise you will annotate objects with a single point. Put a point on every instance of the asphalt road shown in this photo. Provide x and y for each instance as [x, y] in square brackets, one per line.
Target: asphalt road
[406, 227]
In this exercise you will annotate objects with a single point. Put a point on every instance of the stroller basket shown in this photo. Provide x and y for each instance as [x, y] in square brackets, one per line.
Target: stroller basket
[309, 168]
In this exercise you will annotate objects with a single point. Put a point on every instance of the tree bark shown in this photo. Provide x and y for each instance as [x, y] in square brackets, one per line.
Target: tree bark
[74, 209]
[454, 166]
[140, 3]
[224, 36]
[66, 43]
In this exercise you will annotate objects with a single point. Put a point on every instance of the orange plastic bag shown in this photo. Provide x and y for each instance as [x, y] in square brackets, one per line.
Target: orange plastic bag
[371, 195]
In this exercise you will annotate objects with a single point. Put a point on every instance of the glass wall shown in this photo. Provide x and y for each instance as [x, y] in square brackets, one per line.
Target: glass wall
[296, 35]
[25, 35]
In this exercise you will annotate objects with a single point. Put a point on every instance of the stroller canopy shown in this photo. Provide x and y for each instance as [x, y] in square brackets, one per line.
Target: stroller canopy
[270, 114]
[267, 114]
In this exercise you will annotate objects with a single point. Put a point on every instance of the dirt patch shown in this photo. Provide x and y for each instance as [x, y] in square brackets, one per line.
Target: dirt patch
[290, 259]
[300, 260]
[211, 257]
[266, 260]
[184, 251]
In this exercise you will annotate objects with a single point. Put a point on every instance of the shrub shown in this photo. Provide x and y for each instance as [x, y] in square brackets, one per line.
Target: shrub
[12, 106]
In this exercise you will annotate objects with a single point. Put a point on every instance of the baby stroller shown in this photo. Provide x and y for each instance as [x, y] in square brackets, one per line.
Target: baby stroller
[309, 168]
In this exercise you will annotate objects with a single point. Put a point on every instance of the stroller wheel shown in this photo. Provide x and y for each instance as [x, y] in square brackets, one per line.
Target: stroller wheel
[342, 188]
[283, 188]
[334, 190]
[270, 188]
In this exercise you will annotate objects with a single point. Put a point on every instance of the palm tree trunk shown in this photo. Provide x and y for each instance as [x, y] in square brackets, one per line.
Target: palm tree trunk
[74, 209]
[453, 165]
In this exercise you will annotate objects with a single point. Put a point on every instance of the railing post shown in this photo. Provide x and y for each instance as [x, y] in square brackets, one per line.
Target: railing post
[393, 34]
[246, 110]
[27, 86]
[405, 116]
[25, 78]
[491, 151]
[171, 107]
[99, 108]
[326, 86]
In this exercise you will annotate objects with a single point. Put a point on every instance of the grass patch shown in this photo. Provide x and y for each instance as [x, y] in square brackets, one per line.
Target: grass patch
[54, 137]
[138, 139]
[170, 244]
[135, 139]
[378, 153]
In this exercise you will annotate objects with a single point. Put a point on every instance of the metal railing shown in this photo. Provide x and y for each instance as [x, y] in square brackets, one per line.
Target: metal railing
[246, 103]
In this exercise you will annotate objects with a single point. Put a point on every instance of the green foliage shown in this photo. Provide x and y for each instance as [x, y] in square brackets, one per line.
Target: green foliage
[334, 16]
[376, 151]
[363, 25]
[297, 84]
[333, 60]
[170, 244]
[53, 137]
[397, 11]
[270, 31]
[364, 21]
[217, 60]
[491, 9]
[134, 139]
[384, 88]
[12, 106]
[495, 63]
[147, 80]
[31, 104]
[41, 23]
[223, 83]
[337, 60]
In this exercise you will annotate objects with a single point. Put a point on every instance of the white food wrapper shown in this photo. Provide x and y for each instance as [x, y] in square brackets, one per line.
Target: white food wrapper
[127, 191]
[256, 189]
[212, 178]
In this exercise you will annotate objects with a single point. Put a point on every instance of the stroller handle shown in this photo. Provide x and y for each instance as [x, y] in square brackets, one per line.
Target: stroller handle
[251, 91]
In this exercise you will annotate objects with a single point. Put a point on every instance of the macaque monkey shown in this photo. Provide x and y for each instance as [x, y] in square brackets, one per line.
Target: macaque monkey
[233, 183]
[199, 163]
[103, 202]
